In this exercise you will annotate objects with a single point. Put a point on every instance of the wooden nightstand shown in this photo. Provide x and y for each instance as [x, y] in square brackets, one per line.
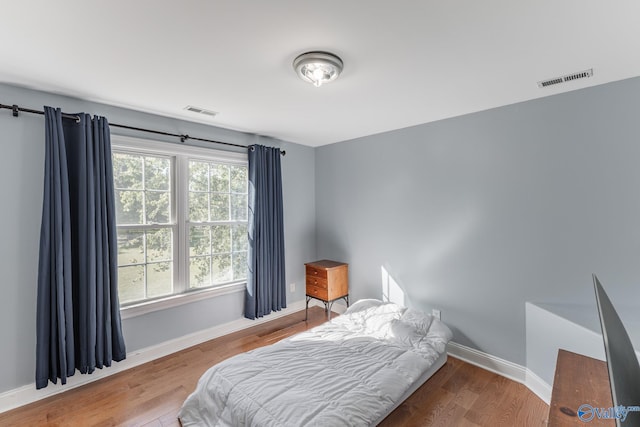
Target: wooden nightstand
[327, 281]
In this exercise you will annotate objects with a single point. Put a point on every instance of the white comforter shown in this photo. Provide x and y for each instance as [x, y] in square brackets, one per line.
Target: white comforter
[347, 372]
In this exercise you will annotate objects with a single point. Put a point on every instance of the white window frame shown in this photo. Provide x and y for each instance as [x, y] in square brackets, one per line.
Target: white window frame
[180, 156]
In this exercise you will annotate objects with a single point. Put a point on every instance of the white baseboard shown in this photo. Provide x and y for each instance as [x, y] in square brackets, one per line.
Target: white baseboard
[538, 386]
[28, 394]
[502, 367]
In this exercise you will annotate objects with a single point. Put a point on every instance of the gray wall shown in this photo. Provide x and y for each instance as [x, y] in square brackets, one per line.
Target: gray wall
[478, 214]
[21, 175]
[474, 215]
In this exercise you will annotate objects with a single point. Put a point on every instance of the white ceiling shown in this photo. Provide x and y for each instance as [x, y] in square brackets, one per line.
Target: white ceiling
[407, 62]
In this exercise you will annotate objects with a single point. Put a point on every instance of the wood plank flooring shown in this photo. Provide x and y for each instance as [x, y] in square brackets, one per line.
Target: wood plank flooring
[150, 395]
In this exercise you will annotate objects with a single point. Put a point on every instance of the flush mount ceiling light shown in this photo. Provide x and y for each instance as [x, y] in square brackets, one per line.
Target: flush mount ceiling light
[318, 68]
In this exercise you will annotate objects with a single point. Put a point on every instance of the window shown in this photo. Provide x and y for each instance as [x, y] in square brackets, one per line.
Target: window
[217, 223]
[145, 227]
[181, 219]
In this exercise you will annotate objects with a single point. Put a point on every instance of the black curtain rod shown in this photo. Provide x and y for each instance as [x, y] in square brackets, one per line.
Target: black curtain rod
[16, 109]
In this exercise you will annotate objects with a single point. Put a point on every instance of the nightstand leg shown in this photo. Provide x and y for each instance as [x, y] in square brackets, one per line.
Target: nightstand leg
[306, 310]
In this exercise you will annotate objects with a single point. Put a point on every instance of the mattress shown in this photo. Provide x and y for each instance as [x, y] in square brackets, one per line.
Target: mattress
[352, 371]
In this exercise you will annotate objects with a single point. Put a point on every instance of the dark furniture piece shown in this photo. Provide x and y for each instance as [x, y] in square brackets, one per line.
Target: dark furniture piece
[579, 380]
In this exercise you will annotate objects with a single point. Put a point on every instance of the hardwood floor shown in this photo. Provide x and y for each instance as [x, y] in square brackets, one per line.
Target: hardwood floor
[460, 394]
[150, 395]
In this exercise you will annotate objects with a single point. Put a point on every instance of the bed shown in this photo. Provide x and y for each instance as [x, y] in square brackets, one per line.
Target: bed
[351, 371]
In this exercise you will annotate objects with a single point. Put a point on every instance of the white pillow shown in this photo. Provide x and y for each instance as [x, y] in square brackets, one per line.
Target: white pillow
[440, 330]
[363, 304]
[419, 320]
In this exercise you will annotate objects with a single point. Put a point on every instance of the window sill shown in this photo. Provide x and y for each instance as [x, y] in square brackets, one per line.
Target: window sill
[177, 300]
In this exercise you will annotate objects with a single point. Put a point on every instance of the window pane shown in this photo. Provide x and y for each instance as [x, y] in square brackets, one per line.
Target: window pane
[219, 178]
[130, 283]
[198, 207]
[221, 269]
[219, 207]
[127, 171]
[221, 239]
[157, 173]
[159, 279]
[239, 265]
[158, 207]
[130, 247]
[200, 272]
[240, 239]
[239, 207]
[239, 179]
[199, 243]
[159, 247]
[198, 176]
[128, 207]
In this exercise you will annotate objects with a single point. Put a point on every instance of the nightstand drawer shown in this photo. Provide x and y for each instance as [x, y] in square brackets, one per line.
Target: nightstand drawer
[318, 292]
[316, 272]
[317, 281]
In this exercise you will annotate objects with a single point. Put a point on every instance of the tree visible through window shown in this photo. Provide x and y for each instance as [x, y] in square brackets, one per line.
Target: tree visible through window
[145, 242]
[150, 207]
[217, 223]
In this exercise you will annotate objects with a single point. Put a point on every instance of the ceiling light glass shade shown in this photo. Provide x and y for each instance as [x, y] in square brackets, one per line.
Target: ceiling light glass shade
[318, 68]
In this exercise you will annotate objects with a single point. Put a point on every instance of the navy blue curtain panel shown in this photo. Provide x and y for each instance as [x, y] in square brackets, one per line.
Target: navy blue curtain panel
[266, 287]
[78, 314]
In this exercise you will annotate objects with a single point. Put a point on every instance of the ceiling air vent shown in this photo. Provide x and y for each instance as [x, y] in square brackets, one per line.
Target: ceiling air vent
[200, 111]
[567, 78]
